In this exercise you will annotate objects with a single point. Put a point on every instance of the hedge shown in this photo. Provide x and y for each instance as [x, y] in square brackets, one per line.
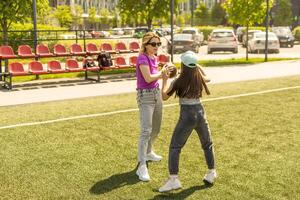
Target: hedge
[296, 32]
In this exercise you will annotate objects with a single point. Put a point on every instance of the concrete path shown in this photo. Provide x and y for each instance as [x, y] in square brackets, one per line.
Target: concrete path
[71, 90]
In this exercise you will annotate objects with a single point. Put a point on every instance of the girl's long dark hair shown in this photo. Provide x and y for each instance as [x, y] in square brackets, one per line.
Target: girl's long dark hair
[189, 84]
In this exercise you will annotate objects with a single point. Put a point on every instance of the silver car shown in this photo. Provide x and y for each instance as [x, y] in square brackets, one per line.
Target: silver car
[183, 42]
[222, 40]
[257, 43]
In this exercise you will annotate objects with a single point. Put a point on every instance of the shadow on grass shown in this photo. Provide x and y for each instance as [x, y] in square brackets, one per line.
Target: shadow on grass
[183, 194]
[114, 182]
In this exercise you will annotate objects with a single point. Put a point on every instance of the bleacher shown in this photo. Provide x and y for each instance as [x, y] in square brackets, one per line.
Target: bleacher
[122, 57]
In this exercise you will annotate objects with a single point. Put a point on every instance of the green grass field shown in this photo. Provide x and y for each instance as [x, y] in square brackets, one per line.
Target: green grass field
[257, 145]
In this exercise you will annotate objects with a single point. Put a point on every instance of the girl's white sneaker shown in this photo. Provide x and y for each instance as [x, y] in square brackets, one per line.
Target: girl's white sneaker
[210, 176]
[172, 183]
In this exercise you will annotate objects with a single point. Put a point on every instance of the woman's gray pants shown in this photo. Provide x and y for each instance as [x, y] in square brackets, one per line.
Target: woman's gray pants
[150, 107]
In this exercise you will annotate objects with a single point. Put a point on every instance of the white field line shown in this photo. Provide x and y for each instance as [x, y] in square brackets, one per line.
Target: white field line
[135, 109]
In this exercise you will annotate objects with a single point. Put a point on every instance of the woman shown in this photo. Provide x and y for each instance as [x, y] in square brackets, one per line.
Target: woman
[149, 101]
[188, 87]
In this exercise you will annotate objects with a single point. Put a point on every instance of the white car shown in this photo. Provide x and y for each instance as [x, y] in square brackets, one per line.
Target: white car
[117, 31]
[222, 40]
[257, 43]
[198, 35]
[250, 36]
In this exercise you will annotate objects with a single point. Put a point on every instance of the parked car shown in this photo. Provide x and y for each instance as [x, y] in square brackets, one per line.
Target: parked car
[250, 36]
[284, 35]
[196, 33]
[222, 40]
[183, 42]
[140, 31]
[99, 34]
[128, 31]
[117, 31]
[257, 43]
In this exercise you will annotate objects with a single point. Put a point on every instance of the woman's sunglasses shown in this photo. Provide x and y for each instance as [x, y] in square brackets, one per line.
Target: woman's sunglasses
[154, 44]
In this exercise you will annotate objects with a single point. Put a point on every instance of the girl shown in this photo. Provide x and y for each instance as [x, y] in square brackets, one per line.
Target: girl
[149, 102]
[188, 87]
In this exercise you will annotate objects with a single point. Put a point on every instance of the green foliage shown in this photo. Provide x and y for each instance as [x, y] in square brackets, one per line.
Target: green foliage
[246, 12]
[149, 9]
[92, 16]
[104, 17]
[202, 14]
[64, 16]
[13, 11]
[296, 32]
[24, 34]
[218, 14]
[283, 13]
[77, 16]
[43, 12]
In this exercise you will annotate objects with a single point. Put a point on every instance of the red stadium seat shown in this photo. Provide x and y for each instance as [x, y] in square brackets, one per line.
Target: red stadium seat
[16, 69]
[76, 50]
[25, 51]
[92, 49]
[60, 50]
[6, 52]
[43, 51]
[134, 46]
[73, 66]
[36, 67]
[106, 47]
[54, 66]
[163, 59]
[121, 63]
[121, 48]
[132, 61]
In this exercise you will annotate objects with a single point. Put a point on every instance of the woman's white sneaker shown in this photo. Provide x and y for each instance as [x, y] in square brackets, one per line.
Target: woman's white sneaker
[142, 172]
[210, 176]
[153, 157]
[172, 183]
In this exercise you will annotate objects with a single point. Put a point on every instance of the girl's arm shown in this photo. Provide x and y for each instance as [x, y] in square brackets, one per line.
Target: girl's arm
[166, 87]
[145, 70]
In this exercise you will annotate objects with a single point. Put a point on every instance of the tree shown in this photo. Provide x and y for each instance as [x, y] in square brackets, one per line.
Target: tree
[77, 16]
[43, 11]
[92, 17]
[246, 13]
[283, 13]
[64, 16]
[13, 11]
[201, 14]
[150, 9]
[104, 17]
[218, 14]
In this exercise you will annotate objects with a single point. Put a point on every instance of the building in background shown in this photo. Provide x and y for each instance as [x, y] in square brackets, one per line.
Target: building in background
[86, 4]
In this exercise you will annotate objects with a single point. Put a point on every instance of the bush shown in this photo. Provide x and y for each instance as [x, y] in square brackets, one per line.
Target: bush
[296, 32]
[24, 34]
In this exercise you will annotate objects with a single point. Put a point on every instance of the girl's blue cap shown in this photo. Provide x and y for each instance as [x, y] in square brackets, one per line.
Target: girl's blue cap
[189, 59]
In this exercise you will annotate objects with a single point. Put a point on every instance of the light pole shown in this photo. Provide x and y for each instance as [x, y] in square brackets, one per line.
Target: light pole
[267, 30]
[34, 25]
[192, 13]
[172, 27]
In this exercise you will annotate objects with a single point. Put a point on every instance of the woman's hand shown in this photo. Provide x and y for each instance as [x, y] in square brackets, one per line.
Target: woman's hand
[164, 73]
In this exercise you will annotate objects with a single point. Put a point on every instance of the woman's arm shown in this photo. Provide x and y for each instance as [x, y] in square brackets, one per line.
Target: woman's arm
[206, 78]
[145, 70]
